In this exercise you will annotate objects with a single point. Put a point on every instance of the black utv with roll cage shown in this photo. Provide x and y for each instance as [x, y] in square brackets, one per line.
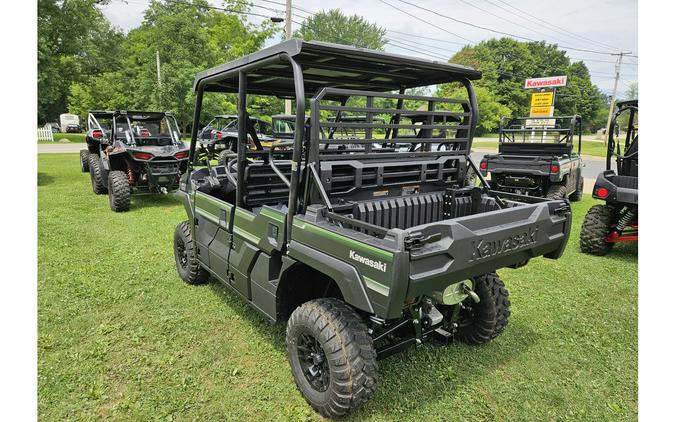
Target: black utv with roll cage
[616, 220]
[219, 136]
[536, 157]
[364, 251]
[134, 151]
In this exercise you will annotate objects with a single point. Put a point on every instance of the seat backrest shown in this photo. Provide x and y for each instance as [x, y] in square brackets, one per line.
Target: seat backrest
[264, 186]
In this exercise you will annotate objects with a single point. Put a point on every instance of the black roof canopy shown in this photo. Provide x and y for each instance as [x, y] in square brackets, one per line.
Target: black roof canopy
[329, 65]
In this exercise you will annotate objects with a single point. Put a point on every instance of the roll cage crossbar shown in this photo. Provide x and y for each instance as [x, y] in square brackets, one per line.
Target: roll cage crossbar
[252, 72]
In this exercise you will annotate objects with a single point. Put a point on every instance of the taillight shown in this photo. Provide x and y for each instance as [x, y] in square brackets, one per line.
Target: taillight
[142, 155]
[483, 165]
[180, 155]
[97, 134]
[219, 135]
[602, 193]
[145, 133]
[555, 168]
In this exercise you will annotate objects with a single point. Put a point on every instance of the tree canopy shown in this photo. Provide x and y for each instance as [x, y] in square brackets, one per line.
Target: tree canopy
[336, 27]
[506, 63]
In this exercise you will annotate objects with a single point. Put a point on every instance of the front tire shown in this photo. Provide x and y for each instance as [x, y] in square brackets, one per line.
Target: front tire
[556, 192]
[119, 191]
[481, 322]
[98, 185]
[84, 160]
[332, 357]
[596, 227]
[187, 265]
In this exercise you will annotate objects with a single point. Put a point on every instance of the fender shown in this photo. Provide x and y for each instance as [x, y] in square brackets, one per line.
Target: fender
[345, 275]
[186, 199]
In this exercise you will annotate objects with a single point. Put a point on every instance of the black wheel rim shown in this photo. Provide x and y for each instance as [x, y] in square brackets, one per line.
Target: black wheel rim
[313, 362]
[181, 253]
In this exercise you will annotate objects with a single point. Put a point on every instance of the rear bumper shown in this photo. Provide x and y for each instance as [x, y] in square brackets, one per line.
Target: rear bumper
[621, 189]
[476, 244]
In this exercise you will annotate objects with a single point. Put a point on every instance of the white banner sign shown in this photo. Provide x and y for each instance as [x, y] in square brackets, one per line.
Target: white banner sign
[549, 82]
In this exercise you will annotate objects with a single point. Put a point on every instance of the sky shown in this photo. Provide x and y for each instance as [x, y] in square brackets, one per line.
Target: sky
[606, 26]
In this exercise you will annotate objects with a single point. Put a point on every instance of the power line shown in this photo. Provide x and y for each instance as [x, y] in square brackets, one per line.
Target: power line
[427, 22]
[492, 30]
[425, 38]
[551, 26]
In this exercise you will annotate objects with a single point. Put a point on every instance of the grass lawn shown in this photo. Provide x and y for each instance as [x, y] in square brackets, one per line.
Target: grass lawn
[594, 148]
[121, 337]
[72, 137]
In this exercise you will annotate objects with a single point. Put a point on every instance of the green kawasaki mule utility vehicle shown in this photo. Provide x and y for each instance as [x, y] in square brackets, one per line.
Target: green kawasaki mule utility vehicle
[537, 157]
[364, 250]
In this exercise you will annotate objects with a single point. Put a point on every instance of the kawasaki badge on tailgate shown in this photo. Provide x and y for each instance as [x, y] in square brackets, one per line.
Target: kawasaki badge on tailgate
[489, 248]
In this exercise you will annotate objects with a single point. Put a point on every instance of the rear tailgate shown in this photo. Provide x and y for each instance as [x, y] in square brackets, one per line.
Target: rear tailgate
[457, 249]
[532, 165]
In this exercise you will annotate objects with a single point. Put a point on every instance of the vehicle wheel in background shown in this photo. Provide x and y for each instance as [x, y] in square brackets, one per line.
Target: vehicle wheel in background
[98, 185]
[84, 160]
[579, 193]
[119, 191]
[556, 192]
[596, 227]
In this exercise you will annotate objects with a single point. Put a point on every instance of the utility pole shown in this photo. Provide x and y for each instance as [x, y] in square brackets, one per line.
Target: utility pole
[159, 82]
[289, 35]
[617, 70]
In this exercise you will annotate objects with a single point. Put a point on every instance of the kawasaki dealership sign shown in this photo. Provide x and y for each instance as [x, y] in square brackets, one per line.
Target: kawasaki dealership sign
[548, 82]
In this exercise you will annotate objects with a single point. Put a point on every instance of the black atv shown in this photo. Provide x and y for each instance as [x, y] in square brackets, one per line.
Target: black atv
[219, 137]
[537, 158]
[616, 220]
[138, 152]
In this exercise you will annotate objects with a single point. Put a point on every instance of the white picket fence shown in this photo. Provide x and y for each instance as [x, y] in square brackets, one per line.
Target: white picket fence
[45, 135]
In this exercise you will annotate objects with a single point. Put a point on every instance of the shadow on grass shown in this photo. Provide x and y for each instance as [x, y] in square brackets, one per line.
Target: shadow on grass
[44, 179]
[433, 365]
[152, 200]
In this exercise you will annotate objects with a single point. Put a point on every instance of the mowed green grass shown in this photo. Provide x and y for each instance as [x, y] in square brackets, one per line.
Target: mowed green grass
[72, 137]
[593, 148]
[121, 337]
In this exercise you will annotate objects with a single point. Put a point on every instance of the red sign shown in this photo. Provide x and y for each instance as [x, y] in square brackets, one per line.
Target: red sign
[549, 82]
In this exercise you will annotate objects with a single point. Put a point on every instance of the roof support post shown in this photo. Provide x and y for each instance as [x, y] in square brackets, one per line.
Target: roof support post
[242, 139]
[195, 126]
[297, 143]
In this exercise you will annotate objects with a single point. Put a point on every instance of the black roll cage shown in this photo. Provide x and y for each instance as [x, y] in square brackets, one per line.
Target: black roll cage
[613, 147]
[245, 66]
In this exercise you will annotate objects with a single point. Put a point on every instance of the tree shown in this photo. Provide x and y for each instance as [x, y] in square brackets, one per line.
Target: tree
[506, 63]
[335, 27]
[632, 92]
[189, 38]
[75, 41]
[490, 110]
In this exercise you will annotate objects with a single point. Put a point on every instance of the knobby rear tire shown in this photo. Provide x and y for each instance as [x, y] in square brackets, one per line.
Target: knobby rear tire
[490, 316]
[596, 227]
[348, 349]
[119, 191]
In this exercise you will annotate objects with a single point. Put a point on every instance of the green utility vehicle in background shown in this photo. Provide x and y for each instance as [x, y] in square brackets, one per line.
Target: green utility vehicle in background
[364, 250]
[536, 157]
